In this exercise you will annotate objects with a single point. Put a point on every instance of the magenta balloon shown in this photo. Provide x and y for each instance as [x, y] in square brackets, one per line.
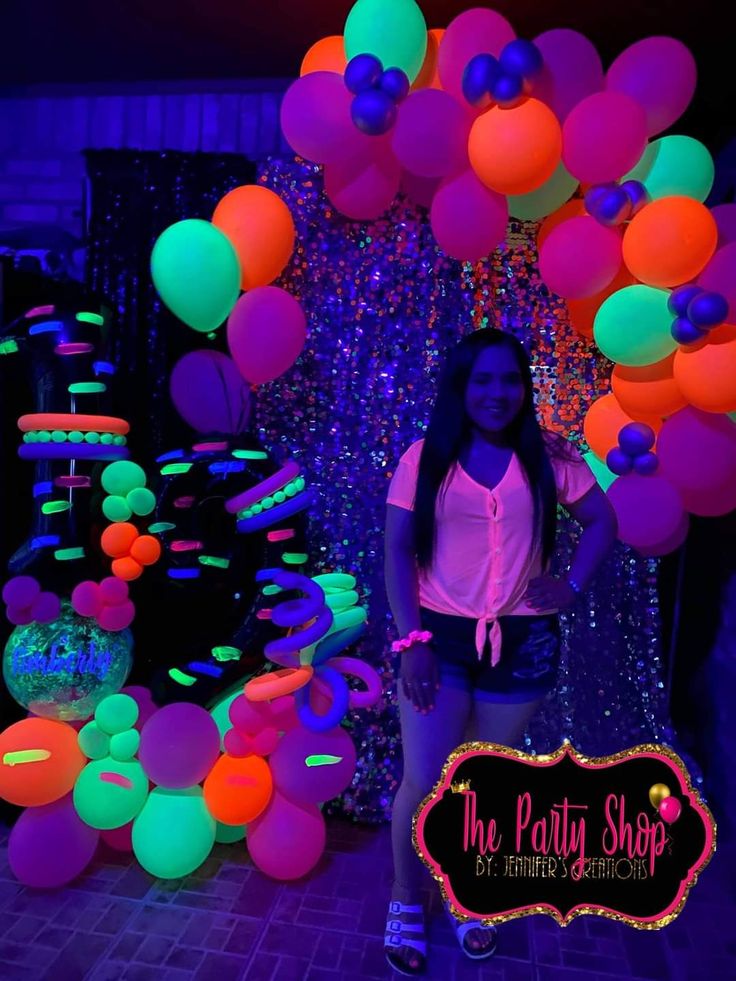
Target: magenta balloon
[697, 451]
[725, 216]
[468, 219]
[580, 257]
[179, 745]
[209, 393]
[86, 599]
[121, 839]
[649, 509]
[115, 618]
[477, 31]
[719, 276]
[287, 840]
[660, 74]
[315, 117]
[712, 503]
[266, 333]
[430, 138]
[364, 188]
[420, 190]
[311, 784]
[51, 845]
[572, 70]
[668, 544]
[603, 137]
[144, 700]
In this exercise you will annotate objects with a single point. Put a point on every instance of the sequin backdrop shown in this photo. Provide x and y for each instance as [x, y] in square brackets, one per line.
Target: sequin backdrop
[383, 304]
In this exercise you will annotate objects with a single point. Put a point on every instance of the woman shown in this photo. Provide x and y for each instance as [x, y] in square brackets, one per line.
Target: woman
[470, 532]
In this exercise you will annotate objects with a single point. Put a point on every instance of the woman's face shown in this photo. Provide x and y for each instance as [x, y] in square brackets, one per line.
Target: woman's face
[495, 392]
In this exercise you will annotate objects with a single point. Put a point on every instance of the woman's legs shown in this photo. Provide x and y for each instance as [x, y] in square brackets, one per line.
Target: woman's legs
[502, 722]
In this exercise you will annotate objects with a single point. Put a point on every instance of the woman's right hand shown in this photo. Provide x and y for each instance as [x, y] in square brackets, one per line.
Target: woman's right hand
[420, 676]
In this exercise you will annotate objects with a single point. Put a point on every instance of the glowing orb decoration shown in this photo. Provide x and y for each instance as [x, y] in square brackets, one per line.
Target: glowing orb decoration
[110, 793]
[238, 790]
[63, 670]
[39, 762]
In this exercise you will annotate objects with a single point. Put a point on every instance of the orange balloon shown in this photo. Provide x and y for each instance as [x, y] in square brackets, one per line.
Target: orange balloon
[514, 151]
[127, 569]
[670, 241]
[605, 419]
[582, 312]
[146, 550]
[326, 55]
[238, 789]
[707, 375]
[429, 76]
[571, 209]
[651, 390]
[40, 761]
[261, 230]
[117, 539]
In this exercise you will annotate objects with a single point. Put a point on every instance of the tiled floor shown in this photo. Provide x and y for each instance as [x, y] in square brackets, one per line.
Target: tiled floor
[229, 922]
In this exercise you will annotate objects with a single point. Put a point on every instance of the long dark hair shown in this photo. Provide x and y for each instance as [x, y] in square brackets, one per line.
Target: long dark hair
[450, 428]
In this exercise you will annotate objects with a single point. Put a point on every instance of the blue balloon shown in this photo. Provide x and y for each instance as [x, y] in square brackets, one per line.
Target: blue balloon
[636, 438]
[373, 112]
[707, 309]
[681, 298]
[613, 208]
[646, 463]
[508, 90]
[618, 462]
[363, 72]
[395, 84]
[637, 195]
[523, 58]
[478, 79]
[595, 195]
[684, 331]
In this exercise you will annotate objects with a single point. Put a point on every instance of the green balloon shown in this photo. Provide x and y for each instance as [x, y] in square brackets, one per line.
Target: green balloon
[228, 834]
[395, 31]
[93, 742]
[109, 793]
[116, 713]
[124, 745]
[546, 199]
[603, 475]
[634, 327]
[122, 477]
[220, 713]
[731, 416]
[174, 833]
[116, 508]
[142, 501]
[675, 165]
[197, 273]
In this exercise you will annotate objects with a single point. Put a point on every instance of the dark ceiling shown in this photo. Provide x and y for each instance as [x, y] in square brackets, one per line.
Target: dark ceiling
[47, 41]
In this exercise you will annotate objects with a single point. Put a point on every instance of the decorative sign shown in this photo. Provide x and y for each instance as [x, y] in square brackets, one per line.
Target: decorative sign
[507, 834]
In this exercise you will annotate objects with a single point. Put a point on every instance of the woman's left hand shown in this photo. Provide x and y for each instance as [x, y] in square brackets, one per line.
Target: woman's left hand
[547, 593]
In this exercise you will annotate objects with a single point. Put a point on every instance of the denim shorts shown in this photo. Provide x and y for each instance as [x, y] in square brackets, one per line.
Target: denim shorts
[530, 656]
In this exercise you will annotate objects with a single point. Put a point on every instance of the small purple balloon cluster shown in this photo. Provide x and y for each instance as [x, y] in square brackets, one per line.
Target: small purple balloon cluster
[506, 80]
[377, 93]
[634, 451]
[696, 311]
[613, 204]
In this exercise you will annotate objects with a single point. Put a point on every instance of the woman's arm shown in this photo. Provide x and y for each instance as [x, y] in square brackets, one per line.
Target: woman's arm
[400, 569]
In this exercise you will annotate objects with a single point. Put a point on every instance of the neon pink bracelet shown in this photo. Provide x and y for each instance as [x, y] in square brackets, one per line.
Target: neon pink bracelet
[415, 637]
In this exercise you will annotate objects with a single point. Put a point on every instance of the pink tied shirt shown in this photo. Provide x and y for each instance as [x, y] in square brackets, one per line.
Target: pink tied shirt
[484, 558]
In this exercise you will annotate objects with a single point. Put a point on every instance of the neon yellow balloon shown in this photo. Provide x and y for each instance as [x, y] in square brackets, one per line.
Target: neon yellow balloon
[546, 199]
[634, 326]
[395, 31]
[675, 165]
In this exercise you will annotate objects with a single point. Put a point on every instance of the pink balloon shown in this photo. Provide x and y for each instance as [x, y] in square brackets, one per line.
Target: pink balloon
[86, 599]
[364, 188]
[179, 745]
[670, 544]
[477, 31]
[21, 591]
[209, 393]
[420, 190]
[144, 700]
[712, 503]
[304, 784]
[580, 257]
[719, 276]
[431, 134]
[660, 74]
[121, 839]
[649, 509]
[287, 840]
[725, 216]
[115, 618]
[468, 219]
[572, 70]
[603, 137]
[266, 332]
[697, 451]
[51, 845]
[670, 809]
[46, 607]
[316, 120]
[113, 591]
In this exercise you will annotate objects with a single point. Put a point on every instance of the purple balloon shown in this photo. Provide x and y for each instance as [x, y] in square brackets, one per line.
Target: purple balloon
[572, 70]
[684, 331]
[46, 608]
[478, 78]
[619, 462]
[708, 309]
[373, 112]
[362, 72]
[294, 769]
[719, 276]
[209, 393]
[395, 84]
[144, 700]
[646, 463]
[431, 135]
[681, 298]
[725, 217]
[603, 137]
[179, 745]
[51, 845]
[21, 591]
[636, 438]
[468, 219]
[315, 117]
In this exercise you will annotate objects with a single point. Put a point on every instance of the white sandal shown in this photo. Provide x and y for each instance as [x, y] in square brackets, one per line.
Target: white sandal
[395, 938]
[462, 930]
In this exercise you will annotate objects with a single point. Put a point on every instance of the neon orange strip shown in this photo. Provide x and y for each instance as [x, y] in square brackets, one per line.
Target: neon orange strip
[71, 421]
